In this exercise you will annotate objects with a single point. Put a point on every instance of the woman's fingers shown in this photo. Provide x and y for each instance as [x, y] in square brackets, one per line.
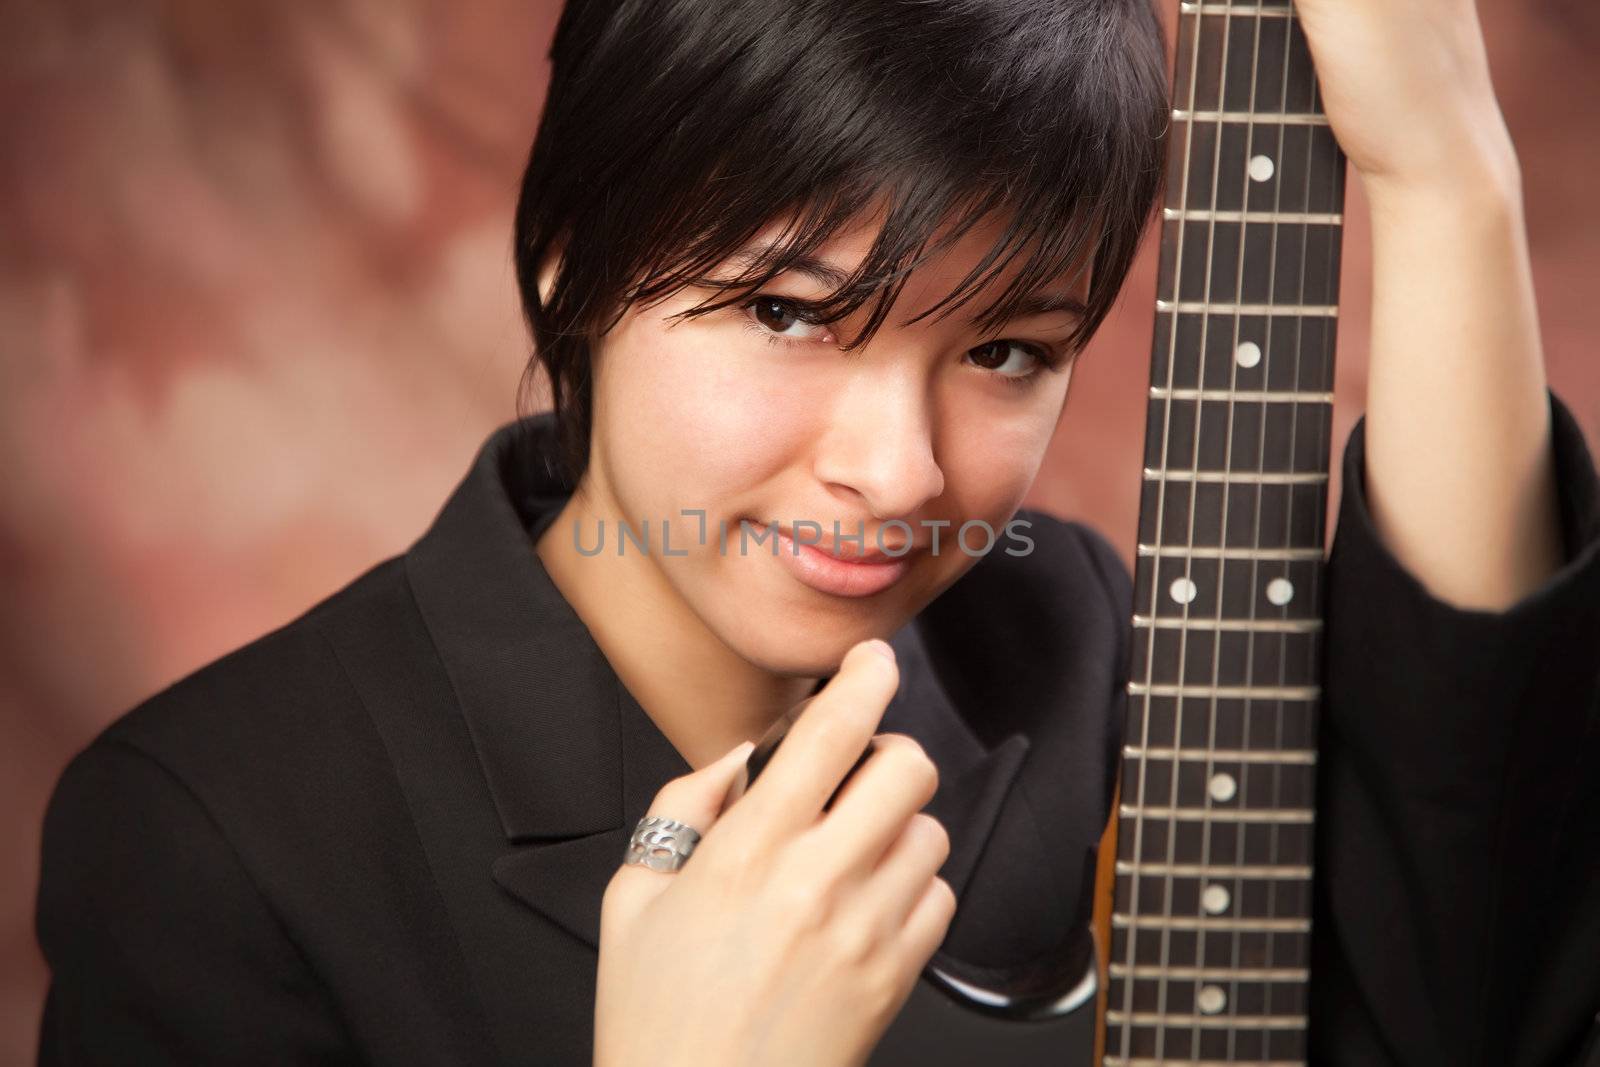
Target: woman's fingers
[898, 883]
[927, 925]
[883, 904]
[696, 800]
[824, 744]
[873, 808]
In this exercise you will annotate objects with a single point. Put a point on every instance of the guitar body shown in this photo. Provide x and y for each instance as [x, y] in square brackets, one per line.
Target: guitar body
[939, 1027]
[1212, 915]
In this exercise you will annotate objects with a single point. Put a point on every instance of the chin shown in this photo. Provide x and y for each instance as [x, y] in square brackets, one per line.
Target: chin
[794, 649]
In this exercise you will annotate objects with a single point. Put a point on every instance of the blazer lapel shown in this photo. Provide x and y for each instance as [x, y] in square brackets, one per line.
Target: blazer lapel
[564, 880]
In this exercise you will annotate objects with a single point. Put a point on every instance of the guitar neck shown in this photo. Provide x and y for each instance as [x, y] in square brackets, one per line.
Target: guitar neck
[1212, 915]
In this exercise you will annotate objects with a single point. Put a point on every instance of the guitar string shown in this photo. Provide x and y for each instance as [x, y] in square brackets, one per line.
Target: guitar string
[1131, 931]
[1306, 708]
[1258, 589]
[1323, 446]
[1297, 355]
[1179, 700]
[1201, 881]
[1313, 602]
[1246, 707]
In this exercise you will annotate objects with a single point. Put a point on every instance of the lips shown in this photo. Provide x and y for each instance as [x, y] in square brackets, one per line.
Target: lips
[849, 550]
[829, 574]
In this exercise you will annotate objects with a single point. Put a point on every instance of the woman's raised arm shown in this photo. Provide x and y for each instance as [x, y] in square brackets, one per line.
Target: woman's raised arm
[1458, 457]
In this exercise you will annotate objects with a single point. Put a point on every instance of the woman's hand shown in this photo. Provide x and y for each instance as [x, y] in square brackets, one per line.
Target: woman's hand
[791, 936]
[1406, 87]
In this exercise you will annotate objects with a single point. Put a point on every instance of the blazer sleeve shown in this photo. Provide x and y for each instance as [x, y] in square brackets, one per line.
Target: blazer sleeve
[1450, 741]
[160, 947]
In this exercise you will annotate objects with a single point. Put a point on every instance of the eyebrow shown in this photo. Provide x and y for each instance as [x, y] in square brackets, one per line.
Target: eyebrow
[824, 273]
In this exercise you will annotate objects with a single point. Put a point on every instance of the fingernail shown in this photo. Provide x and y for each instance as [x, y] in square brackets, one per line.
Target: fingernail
[882, 648]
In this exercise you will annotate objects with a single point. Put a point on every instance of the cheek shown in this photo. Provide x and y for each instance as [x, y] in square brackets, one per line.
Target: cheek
[693, 417]
[990, 464]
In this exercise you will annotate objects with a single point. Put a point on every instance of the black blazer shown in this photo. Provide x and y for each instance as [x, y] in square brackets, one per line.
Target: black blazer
[380, 833]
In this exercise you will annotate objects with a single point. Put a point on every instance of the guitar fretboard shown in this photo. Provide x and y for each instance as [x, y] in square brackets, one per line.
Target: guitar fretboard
[1211, 924]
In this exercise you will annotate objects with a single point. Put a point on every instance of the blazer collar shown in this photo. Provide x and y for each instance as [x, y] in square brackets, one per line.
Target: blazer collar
[570, 759]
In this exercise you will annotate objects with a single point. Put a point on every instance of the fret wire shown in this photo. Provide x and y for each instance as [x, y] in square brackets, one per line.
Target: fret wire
[1266, 926]
[1261, 815]
[1225, 692]
[1189, 7]
[1222, 755]
[1296, 218]
[1253, 396]
[1246, 477]
[1209, 1022]
[1204, 974]
[1204, 307]
[1165, 622]
[1260, 872]
[1243, 117]
[1276, 555]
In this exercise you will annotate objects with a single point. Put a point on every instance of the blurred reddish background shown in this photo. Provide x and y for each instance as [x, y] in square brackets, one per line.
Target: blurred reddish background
[257, 313]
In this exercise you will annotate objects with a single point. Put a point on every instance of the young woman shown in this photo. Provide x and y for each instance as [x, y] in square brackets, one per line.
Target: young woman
[830, 262]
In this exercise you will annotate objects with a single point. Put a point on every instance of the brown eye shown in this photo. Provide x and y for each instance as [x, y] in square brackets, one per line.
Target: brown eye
[1000, 356]
[779, 320]
[775, 315]
[991, 354]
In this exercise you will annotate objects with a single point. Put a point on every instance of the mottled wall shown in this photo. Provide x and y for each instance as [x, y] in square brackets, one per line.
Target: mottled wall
[257, 312]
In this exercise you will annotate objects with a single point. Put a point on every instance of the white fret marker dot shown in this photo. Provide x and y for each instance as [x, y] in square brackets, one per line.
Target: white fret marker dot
[1262, 169]
[1184, 590]
[1215, 899]
[1247, 355]
[1211, 999]
[1280, 591]
[1222, 787]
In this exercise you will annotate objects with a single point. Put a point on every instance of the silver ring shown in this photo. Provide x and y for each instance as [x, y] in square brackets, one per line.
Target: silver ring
[660, 843]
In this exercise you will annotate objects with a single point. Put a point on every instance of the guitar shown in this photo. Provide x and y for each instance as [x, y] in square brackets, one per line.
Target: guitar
[1212, 914]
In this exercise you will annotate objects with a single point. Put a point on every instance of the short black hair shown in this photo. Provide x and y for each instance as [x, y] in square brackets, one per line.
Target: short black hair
[674, 131]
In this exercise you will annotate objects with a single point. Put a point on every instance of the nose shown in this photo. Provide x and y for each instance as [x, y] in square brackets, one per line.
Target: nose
[878, 449]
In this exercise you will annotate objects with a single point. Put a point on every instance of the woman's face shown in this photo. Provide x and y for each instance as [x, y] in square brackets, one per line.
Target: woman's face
[752, 413]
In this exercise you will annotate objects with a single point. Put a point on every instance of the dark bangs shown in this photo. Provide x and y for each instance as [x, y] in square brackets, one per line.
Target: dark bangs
[676, 130]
